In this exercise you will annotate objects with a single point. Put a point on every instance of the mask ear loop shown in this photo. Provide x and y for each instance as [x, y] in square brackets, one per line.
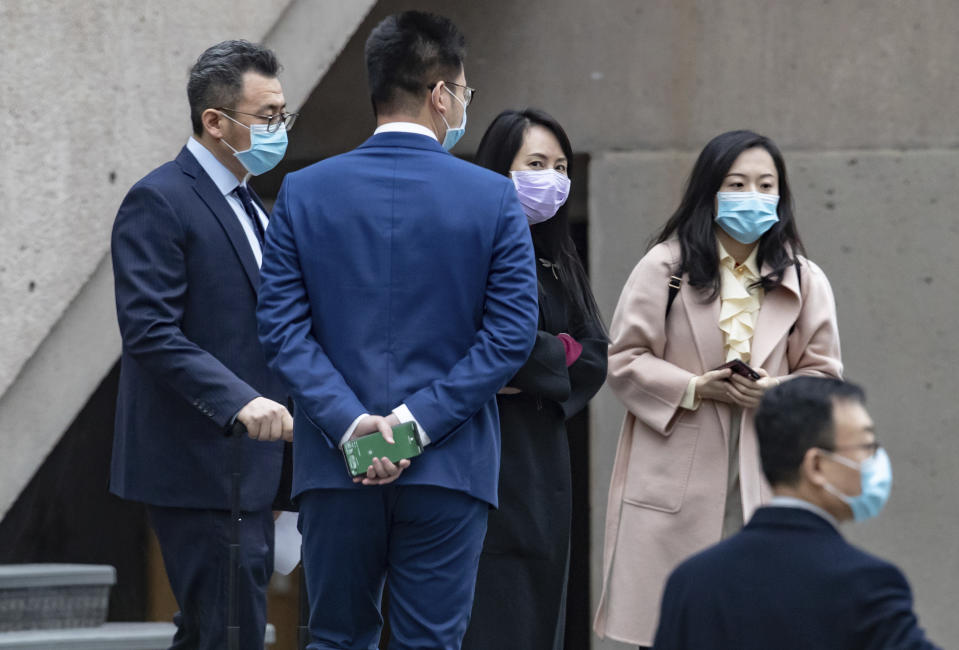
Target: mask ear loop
[223, 140]
[851, 464]
[462, 103]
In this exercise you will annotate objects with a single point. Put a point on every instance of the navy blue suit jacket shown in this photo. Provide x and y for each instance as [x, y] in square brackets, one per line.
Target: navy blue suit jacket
[186, 283]
[397, 273]
[787, 580]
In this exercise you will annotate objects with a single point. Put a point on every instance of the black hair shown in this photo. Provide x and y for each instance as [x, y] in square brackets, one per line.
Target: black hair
[795, 417]
[499, 146]
[693, 221]
[406, 53]
[216, 79]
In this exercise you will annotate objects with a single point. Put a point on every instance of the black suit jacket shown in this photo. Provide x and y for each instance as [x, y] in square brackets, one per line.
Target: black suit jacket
[788, 580]
[186, 287]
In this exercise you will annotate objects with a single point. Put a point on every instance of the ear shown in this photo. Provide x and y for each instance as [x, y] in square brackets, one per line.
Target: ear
[439, 98]
[212, 122]
[811, 467]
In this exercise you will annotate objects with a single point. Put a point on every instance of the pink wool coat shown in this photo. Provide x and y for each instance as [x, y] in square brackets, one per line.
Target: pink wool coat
[668, 488]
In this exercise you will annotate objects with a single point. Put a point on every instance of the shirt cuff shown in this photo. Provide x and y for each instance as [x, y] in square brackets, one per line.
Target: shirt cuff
[403, 414]
[690, 401]
[349, 432]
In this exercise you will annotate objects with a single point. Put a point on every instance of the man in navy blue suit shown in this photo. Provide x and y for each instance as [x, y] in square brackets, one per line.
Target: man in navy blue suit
[789, 579]
[186, 249]
[398, 285]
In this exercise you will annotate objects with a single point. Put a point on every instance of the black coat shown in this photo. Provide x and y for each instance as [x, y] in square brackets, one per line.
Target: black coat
[522, 574]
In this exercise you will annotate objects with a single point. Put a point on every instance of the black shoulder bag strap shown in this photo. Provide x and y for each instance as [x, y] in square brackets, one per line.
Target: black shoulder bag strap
[675, 282]
[799, 281]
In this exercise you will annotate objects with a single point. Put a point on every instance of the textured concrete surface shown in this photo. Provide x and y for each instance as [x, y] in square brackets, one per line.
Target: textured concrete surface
[881, 225]
[669, 74]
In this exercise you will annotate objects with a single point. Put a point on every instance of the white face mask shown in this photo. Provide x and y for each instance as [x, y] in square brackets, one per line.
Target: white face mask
[542, 192]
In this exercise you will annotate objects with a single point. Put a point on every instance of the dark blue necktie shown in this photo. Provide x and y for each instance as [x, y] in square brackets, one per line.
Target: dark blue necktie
[251, 212]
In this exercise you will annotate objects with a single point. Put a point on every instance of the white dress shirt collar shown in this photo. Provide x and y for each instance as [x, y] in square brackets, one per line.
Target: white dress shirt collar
[793, 502]
[226, 182]
[222, 177]
[405, 127]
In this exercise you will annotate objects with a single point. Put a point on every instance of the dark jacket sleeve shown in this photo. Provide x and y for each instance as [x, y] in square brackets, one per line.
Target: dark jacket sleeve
[545, 373]
[887, 619]
[150, 279]
[588, 372]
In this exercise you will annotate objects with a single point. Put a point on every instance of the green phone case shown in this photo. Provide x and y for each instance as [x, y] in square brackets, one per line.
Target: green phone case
[359, 453]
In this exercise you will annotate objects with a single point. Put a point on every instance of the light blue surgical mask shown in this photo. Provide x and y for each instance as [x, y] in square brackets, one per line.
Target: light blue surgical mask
[453, 135]
[746, 216]
[875, 476]
[266, 149]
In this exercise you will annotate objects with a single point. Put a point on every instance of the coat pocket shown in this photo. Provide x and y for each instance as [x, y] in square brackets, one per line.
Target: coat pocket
[660, 466]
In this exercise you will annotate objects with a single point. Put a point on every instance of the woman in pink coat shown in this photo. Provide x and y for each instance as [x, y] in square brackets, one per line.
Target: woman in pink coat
[726, 282]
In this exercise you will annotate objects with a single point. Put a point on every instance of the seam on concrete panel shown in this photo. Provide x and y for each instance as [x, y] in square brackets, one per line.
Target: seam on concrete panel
[53, 325]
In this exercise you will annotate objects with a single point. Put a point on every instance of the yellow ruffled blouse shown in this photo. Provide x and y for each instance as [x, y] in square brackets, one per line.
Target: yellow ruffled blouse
[739, 304]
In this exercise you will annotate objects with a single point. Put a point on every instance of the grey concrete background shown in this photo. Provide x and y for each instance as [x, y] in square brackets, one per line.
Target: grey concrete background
[858, 93]
[626, 75]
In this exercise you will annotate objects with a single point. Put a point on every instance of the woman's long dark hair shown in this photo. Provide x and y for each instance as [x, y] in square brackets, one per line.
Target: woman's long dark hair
[499, 146]
[693, 222]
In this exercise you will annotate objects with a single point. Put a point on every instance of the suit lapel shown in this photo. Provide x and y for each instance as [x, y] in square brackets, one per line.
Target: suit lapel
[704, 322]
[778, 312]
[208, 192]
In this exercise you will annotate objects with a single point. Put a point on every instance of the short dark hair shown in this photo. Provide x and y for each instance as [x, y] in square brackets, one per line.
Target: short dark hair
[796, 417]
[216, 79]
[407, 52]
[693, 221]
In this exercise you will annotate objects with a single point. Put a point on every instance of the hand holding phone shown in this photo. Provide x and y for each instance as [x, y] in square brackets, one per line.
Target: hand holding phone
[360, 452]
[741, 368]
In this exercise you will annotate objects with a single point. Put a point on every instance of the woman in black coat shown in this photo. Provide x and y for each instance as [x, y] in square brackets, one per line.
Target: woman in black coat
[520, 597]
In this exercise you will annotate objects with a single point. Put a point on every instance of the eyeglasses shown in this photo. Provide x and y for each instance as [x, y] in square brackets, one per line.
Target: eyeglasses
[871, 447]
[273, 122]
[467, 91]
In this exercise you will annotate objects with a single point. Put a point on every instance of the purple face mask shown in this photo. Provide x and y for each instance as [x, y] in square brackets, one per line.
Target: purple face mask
[541, 192]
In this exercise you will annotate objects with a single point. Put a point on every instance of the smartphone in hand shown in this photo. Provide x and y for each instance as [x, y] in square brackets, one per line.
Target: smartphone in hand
[359, 453]
[741, 368]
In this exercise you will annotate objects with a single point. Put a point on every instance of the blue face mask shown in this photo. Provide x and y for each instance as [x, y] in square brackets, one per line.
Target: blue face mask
[875, 475]
[746, 216]
[453, 135]
[266, 149]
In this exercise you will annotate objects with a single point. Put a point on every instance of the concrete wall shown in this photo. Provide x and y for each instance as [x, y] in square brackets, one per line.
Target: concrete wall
[94, 96]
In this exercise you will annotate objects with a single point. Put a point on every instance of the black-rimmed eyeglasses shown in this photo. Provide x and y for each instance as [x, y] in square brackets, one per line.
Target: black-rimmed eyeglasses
[467, 91]
[871, 447]
[273, 122]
